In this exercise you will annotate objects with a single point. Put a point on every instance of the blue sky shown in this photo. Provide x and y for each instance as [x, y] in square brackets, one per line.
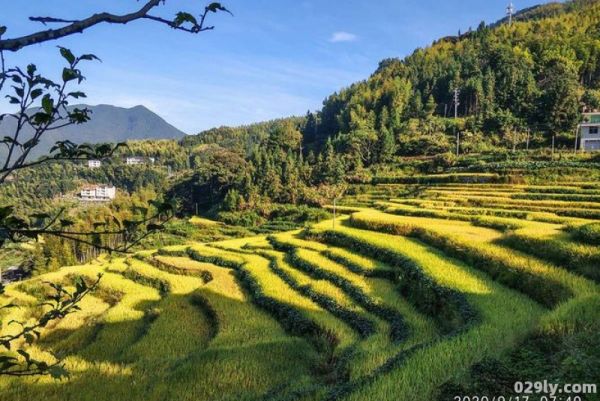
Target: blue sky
[274, 58]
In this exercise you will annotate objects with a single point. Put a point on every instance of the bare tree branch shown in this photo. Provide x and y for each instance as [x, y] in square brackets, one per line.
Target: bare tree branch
[16, 44]
[78, 26]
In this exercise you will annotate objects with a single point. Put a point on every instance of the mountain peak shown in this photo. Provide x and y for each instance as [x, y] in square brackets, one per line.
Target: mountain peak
[108, 123]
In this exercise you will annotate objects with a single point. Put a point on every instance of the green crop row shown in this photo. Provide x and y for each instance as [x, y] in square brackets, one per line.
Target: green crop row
[581, 259]
[398, 328]
[437, 179]
[589, 233]
[363, 326]
[293, 321]
[166, 267]
[163, 287]
[498, 265]
[352, 265]
[448, 308]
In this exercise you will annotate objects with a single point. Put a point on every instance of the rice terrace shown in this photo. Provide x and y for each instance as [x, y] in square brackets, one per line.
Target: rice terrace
[397, 300]
[430, 233]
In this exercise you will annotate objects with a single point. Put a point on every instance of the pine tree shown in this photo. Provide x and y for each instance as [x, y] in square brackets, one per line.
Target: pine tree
[387, 145]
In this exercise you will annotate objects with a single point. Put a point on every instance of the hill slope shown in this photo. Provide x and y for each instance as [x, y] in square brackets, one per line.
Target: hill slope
[107, 124]
[534, 74]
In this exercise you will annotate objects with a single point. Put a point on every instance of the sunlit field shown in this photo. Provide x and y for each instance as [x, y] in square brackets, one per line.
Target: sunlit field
[402, 298]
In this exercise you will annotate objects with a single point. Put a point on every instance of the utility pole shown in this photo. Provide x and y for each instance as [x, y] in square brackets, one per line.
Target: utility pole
[576, 137]
[456, 104]
[510, 10]
[528, 135]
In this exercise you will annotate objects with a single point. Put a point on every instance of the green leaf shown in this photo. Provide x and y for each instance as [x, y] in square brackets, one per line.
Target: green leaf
[29, 338]
[69, 74]
[12, 99]
[41, 118]
[48, 104]
[77, 95]
[40, 215]
[154, 227]
[31, 69]
[67, 54]
[183, 17]
[214, 7]
[89, 57]
[58, 372]
[19, 91]
[36, 93]
[66, 222]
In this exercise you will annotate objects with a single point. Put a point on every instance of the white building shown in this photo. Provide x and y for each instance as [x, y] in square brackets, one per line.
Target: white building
[94, 163]
[590, 132]
[98, 193]
[134, 160]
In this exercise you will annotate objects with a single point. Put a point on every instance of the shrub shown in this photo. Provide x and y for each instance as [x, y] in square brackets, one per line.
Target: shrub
[162, 286]
[206, 276]
[244, 219]
[589, 233]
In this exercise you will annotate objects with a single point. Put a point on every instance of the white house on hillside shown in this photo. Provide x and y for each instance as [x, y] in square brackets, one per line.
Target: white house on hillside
[590, 132]
[94, 164]
[134, 160]
[98, 193]
[137, 160]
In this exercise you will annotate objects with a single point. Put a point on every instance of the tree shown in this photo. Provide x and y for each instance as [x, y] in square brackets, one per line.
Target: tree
[42, 106]
[560, 99]
[387, 145]
[430, 106]
[331, 168]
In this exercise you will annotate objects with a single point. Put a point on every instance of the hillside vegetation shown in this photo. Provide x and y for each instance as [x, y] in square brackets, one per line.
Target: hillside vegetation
[433, 276]
[463, 288]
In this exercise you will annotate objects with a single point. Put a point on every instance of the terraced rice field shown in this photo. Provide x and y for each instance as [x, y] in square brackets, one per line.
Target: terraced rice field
[408, 293]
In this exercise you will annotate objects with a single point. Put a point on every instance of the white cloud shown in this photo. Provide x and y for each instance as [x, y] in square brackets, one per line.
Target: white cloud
[342, 37]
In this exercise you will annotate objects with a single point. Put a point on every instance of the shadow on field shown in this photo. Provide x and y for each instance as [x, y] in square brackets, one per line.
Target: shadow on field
[106, 364]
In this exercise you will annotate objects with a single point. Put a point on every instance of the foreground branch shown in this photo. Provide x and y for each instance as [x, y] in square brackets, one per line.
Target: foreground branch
[78, 26]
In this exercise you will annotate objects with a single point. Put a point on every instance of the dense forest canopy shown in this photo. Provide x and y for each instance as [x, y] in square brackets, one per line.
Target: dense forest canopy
[538, 73]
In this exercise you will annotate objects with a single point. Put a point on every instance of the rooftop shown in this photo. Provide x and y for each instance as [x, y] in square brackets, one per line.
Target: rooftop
[96, 186]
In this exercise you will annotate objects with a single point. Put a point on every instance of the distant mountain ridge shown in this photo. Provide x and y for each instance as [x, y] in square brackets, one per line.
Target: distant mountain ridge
[108, 124]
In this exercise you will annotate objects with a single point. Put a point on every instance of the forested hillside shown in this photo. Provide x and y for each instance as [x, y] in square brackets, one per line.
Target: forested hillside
[527, 82]
[536, 74]
[360, 252]
[523, 85]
